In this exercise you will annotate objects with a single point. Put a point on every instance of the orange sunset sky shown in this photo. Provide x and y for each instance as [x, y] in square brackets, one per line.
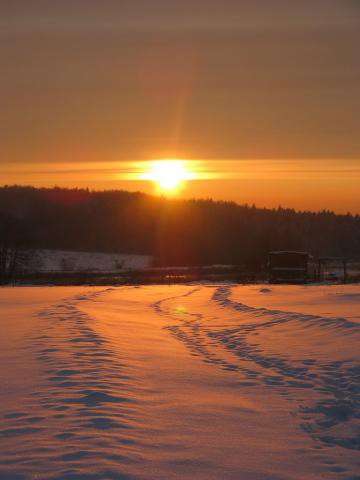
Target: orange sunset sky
[260, 99]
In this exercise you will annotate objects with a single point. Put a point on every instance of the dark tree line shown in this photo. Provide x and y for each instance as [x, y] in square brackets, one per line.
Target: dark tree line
[14, 253]
[176, 232]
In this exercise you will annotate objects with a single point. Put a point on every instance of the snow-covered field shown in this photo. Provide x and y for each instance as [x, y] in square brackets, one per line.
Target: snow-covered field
[68, 261]
[180, 382]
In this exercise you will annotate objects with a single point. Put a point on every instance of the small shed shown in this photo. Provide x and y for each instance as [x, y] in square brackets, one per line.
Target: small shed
[288, 267]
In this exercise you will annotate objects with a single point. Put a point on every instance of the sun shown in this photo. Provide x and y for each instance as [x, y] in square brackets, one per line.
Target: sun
[169, 175]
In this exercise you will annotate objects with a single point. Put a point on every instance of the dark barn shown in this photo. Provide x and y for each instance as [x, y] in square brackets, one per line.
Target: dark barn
[288, 267]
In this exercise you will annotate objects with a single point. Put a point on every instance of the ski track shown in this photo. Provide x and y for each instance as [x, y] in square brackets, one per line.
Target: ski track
[79, 397]
[333, 387]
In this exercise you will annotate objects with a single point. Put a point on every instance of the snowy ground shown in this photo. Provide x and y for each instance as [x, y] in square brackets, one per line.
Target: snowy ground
[180, 382]
[68, 261]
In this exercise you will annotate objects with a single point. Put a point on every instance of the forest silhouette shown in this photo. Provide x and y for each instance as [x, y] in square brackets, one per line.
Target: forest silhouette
[175, 232]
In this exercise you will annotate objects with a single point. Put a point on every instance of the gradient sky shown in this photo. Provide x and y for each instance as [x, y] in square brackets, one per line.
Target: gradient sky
[266, 93]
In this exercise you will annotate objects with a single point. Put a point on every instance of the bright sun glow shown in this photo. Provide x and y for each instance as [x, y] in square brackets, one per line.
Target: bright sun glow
[169, 175]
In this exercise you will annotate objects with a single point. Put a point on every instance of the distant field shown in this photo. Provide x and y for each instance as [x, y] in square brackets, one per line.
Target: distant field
[67, 261]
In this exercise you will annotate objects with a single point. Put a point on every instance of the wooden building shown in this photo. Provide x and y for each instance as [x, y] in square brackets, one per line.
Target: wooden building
[288, 267]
